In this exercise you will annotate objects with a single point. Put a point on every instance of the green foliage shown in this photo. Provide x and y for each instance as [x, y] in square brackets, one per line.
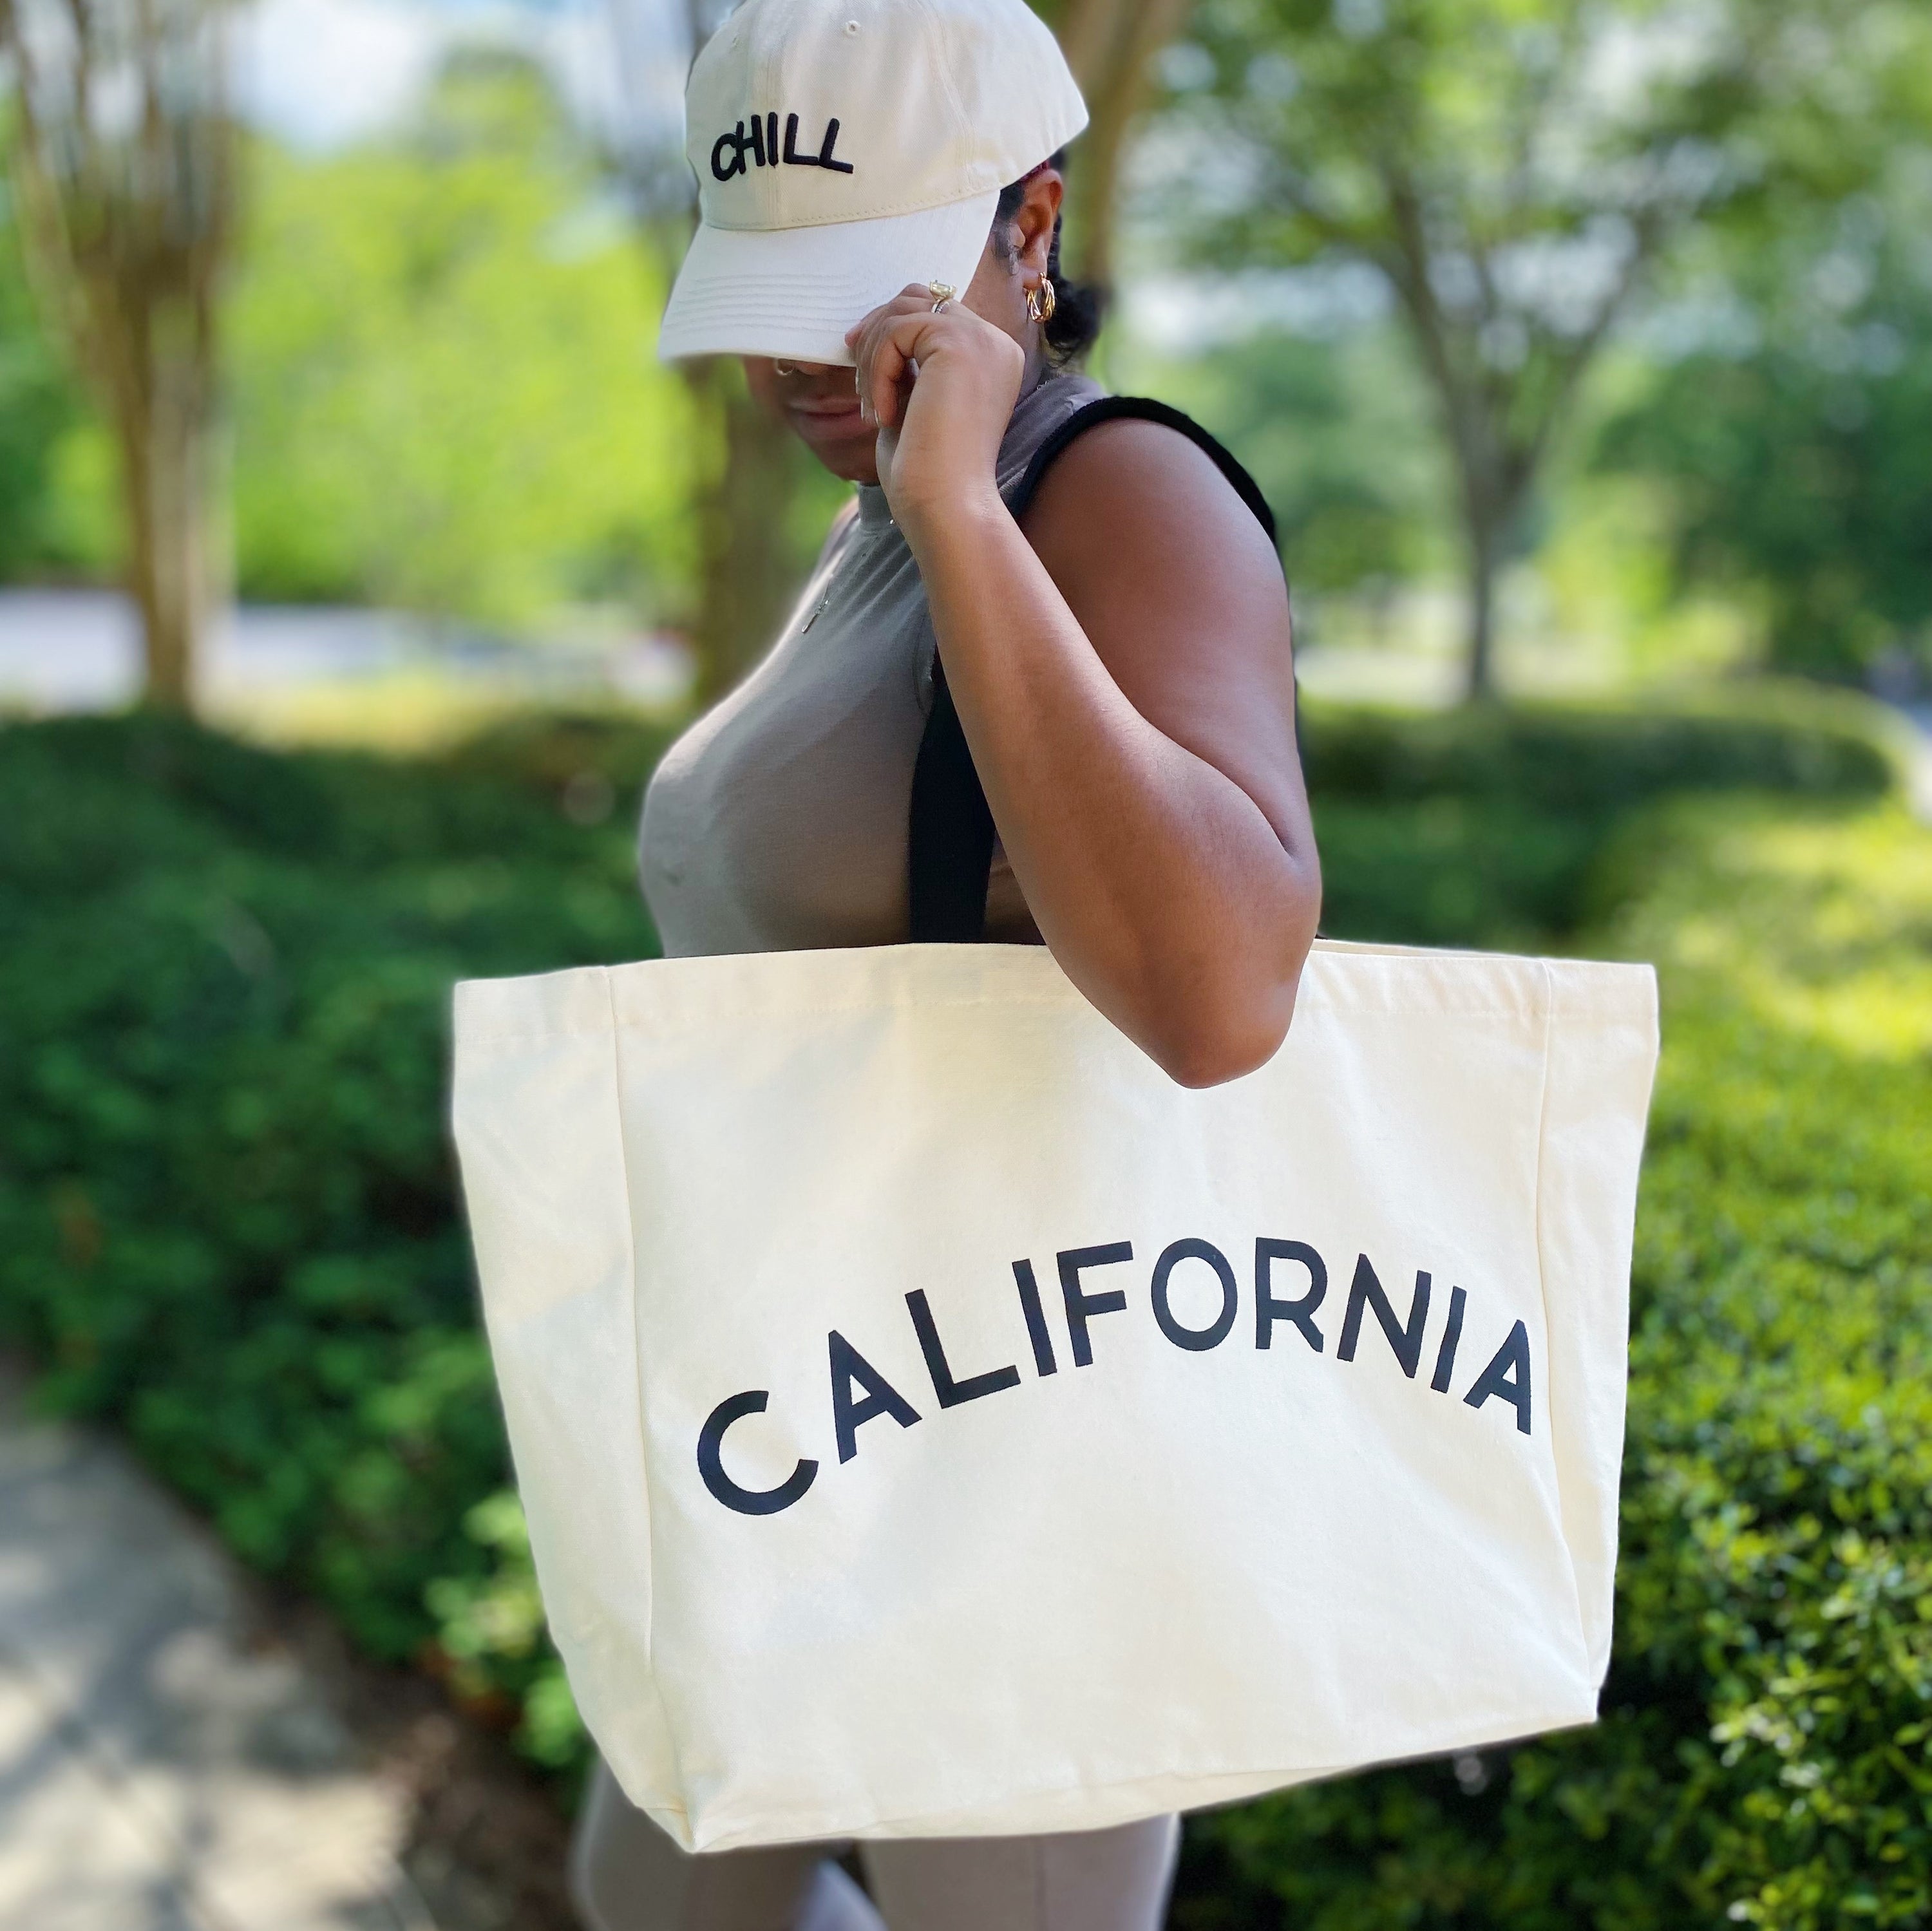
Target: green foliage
[1495, 110]
[1482, 827]
[1762, 1757]
[444, 394]
[1796, 448]
[1511, 172]
[491, 1628]
[1327, 428]
[227, 1213]
[440, 380]
[1479, 160]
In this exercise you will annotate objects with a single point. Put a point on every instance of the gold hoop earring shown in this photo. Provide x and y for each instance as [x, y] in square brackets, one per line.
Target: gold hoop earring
[1039, 301]
[784, 368]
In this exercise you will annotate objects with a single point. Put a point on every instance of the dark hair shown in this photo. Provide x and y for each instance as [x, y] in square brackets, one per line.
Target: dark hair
[1079, 307]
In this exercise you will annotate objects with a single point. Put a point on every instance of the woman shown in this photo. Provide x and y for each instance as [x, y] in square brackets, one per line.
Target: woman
[1118, 655]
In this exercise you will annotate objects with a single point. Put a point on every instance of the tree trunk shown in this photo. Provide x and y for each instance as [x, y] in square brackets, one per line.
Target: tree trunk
[131, 214]
[1484, 546]
[744, 574]
[166, 448]
[1110, 45]
[742, 484]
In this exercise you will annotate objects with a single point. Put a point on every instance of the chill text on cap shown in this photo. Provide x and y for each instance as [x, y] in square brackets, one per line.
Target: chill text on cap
[762, 144]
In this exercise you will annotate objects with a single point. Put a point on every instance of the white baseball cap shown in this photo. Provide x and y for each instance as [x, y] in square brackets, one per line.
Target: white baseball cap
[845, 148]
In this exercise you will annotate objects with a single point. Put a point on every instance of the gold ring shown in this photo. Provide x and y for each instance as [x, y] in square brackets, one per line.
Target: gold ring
[942, 293]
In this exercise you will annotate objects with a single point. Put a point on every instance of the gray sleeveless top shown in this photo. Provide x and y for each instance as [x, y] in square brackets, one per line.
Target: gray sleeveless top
[778, 822]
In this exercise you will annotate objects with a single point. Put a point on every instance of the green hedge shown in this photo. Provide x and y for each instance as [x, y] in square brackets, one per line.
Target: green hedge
[227, 1220]
[1482, 827]
[1762, 1757]
[1600, 759]
[226, 1212]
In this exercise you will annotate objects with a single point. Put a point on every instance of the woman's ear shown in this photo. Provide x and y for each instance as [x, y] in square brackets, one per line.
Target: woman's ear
[1033, 219]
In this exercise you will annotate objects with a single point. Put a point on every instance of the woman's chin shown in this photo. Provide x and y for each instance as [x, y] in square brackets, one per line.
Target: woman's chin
[844, 443]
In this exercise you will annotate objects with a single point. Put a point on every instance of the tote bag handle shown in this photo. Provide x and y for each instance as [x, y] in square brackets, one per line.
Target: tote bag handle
[951, 845]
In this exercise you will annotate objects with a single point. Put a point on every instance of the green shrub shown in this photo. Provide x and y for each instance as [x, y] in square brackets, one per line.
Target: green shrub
[1762, 1757]
[1482, 827]
[1600, 760]
[226, 1208]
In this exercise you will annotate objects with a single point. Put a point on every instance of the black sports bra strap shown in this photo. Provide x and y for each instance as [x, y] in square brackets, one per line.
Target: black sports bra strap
[951, 843]
[1143, 408]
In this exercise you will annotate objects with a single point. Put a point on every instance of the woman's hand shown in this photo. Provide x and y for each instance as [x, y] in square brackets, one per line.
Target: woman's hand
[941, 387]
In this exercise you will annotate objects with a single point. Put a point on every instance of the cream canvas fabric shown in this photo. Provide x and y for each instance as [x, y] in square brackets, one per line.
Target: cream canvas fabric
[933, 1420]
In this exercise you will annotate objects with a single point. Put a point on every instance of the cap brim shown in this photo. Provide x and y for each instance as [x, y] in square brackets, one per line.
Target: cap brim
[794, 292]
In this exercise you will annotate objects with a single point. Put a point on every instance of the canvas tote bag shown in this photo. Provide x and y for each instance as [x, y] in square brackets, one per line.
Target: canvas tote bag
[931, 1419]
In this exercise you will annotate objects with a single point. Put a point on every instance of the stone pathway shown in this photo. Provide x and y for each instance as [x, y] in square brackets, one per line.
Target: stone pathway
[160, 1769]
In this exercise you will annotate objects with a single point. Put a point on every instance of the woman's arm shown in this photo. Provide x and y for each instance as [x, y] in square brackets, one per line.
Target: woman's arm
[1124, 681]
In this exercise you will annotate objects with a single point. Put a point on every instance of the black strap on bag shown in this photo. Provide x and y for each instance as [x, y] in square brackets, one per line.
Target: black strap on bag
[952, 825]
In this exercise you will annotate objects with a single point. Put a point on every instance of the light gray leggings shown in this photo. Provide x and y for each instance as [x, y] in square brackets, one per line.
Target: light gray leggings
[626, 1875]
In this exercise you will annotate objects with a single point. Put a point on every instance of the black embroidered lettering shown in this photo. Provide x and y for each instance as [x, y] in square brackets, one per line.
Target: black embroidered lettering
[952, 1393]
[1495, 1379]
[1268, 1310]
[825, 159]
[761, 141]
[849, 1366]
[736, 143]
[1445, 1355]
[1080, 1306]
[711, 1465]
[1196, 1340]
[1406, 1341]
[1036, 1319]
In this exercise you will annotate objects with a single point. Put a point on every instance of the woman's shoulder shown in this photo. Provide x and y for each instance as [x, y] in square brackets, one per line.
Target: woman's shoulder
[1125, 477]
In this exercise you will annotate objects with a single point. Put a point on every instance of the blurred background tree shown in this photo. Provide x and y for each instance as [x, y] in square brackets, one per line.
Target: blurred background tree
[1325, 418]
[1686, 231]
[1790, 432]
[443, 397]
[1512, 168]
[744, 552]
[124, 160]
[38, 404]
[1110, 45]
